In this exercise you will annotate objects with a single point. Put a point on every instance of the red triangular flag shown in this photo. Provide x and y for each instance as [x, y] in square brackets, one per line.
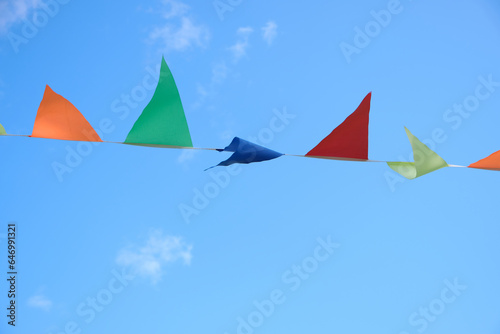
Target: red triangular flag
[350, 138]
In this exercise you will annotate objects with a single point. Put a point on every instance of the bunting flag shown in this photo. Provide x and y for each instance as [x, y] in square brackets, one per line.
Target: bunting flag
[349, 139]
[491, 162]
[162, 123]
[426, 160]
[57, 118]
[246, 152]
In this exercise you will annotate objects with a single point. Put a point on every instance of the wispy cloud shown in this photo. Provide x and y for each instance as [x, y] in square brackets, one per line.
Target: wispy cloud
[40, 302]
[226, 135]
[150, 259]
[186, 156]
[269, 32]
[12, 12]
[220, 72]
[239, 49]
[202, 91]
[174, 9]
[180, 32]
[220, 69]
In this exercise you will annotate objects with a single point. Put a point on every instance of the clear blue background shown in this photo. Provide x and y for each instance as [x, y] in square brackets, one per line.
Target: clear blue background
[398, 243]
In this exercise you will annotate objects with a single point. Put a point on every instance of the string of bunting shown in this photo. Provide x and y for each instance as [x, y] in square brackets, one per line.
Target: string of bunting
[163, 124]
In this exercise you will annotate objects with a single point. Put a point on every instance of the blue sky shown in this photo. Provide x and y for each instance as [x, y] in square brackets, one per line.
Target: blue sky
[292, 245]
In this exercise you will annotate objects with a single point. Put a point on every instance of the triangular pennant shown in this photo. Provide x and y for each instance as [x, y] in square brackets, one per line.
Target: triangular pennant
[162, 122]
[491, 162]
[57, 118]
[426, 160]
[246, 152]
[2, 130]
[350, 138]
[406, 169]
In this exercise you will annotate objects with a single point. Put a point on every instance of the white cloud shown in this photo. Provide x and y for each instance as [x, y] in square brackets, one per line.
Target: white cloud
[219, 72]
[201, 90]
[41, 302]
[186, 155]
[174, 9]
[12, 12]
[181, 38]
[239, 49]
[150, 259]
[244, 31]
[226, 135]
[180, 32]
[220, 69]
[269, 32]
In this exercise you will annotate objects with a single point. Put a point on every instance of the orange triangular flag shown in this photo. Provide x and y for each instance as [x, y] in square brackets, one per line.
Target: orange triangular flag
[57, 118]
[490, 162]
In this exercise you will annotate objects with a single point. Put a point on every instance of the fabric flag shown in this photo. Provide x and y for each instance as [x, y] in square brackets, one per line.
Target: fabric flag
[491, 162]
[57, 118]
[350, 138]
[2, 130]
[162, 122]
[246, 152]
[426, 160]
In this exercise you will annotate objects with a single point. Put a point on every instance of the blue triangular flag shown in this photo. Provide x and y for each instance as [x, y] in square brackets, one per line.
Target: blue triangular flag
[246, 152]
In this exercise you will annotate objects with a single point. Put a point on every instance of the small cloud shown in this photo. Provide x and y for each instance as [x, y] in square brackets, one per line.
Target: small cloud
[219, 72]
[269, 32]
[226, 135]
[12, 12]
[150, 259]
[244, 31]
[41, 302]
[174, 9]
[201, 90]
[239, 49]
[203, 94]
[220, 69]
[180, 32]
[180, 38]
[186, 155]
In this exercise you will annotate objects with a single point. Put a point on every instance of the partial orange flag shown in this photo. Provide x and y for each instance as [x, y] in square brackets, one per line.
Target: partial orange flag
[57, 118]
[490, 162]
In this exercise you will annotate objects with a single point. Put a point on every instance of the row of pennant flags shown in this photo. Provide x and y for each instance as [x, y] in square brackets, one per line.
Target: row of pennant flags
[163, 124]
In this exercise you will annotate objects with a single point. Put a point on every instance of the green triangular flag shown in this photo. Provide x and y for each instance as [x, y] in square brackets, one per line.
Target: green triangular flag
[162, 122]
[2, 130]
[426, 160]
